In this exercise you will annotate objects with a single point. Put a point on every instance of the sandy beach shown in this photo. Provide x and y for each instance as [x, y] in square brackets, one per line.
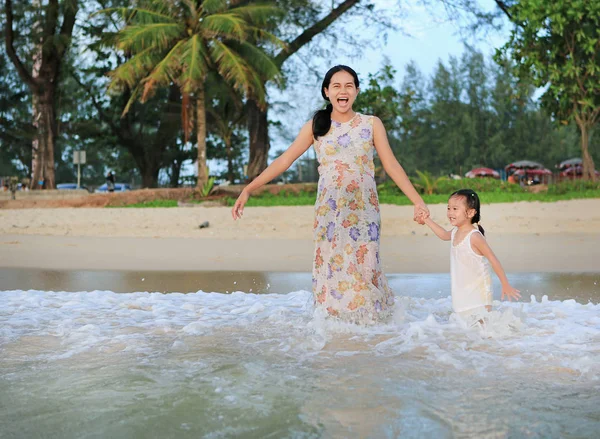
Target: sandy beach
[527, 237]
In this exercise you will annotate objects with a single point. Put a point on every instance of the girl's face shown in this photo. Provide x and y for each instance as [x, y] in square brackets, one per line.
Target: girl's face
[342, 92]
[458, 212]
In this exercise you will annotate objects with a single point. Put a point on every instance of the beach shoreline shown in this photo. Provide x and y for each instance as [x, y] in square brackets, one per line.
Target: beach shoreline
[527, 237]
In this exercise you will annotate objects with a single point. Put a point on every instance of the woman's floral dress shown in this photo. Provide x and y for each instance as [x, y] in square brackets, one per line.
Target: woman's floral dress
[347, 278]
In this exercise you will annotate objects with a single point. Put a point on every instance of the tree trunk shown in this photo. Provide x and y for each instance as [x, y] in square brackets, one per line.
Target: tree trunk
[258, 130]
[201, 135]
[44, 143]
[43, 78]
[37, 154]
[175, 173]
[229, 152]
[588, 162]
[150, 176]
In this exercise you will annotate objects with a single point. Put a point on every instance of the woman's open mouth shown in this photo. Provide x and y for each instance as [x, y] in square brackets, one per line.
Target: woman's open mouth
[343, 101]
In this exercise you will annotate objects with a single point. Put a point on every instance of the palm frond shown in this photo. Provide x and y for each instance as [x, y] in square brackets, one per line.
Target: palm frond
[231, 66]
[134, 97]
[164, 72]
[210, 7]
[259, 14]
[260, 62]
[225, 25]
[156, 35]
[140, 15]
[192, 10]
[193, 59]
[263, 35]
[133, 70]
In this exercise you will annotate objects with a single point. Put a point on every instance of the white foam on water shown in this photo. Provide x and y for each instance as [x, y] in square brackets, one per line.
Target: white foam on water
[252, 361]
[543, 335]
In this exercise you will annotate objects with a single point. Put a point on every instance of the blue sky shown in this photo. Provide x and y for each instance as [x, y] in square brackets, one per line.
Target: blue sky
[428, 36]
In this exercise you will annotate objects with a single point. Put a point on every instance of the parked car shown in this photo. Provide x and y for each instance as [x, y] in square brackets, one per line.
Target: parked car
[119, 187]
[69, 187]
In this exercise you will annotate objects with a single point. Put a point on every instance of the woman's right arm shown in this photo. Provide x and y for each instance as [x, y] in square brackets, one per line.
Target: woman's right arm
[276, 168]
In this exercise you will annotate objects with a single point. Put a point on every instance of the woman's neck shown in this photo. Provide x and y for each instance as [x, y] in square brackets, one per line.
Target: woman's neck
[343, 117]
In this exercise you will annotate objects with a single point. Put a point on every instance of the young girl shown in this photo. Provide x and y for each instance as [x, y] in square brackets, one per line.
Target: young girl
[348, 282]
[469, 256]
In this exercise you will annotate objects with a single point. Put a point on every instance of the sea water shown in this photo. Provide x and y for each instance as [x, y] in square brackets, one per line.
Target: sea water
[98, 364]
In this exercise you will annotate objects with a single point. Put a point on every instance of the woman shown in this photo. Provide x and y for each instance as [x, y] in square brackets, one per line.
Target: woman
[347, 278]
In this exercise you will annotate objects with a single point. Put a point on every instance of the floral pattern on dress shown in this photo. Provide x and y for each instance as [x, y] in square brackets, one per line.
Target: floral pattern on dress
[348, 281]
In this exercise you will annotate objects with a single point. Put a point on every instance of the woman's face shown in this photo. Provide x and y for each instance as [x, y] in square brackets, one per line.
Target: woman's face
[342, 92]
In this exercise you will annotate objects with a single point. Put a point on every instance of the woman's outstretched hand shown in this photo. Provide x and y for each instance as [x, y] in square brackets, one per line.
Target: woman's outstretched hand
[238, 207]
[421, 213]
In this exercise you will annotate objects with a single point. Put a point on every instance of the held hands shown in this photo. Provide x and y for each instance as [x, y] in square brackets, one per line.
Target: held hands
[421, 213]
[238, 208]
[510, 293]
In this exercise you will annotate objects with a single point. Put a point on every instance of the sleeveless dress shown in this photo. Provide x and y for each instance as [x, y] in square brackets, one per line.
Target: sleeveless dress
[470, 276]
[348, 281]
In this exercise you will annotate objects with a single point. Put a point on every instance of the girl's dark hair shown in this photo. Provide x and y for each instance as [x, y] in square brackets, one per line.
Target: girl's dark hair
[473, 202]
[322, 118]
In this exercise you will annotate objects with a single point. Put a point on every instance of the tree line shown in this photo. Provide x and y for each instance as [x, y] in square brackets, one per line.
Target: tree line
[148, 86]
[471, 112]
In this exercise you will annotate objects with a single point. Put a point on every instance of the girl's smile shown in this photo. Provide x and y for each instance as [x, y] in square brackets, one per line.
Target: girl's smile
[458, 213]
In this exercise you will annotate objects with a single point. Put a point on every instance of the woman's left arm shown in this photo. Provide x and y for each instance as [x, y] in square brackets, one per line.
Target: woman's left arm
[394, 169]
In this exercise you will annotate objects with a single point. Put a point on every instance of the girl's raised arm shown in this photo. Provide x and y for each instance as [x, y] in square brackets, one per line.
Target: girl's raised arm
[395, 170]
[479, 244]
[281, 164]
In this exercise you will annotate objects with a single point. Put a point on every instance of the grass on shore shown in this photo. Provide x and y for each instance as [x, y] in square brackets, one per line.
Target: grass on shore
[307, 199]
[490, 191]
[153, 203]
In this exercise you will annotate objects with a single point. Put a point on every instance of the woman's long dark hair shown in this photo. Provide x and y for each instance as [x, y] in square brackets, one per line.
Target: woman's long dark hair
[473, 202]
[322, 118]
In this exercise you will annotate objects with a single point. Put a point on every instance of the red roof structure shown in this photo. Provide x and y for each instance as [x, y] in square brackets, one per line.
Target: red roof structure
[482, 172]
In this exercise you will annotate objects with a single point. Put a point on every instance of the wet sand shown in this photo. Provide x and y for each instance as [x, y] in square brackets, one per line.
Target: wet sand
[573, 252]
[583, 287]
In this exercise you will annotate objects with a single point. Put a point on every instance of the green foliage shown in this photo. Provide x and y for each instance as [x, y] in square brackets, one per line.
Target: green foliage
[556, 43]
[183, 41]
[487, 185]
[446, 186]
[154, 203]
[16, 131]
[473, 113]
[513, 193]
[226, 123]
[207, 187]
[427, 182]
[573, 186]
[380, 97]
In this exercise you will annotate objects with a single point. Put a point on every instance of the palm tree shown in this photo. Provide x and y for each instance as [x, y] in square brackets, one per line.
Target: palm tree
[427, 182]
[181, 41]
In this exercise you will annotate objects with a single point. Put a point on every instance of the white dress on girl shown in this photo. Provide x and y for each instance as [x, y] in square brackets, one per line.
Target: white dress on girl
[471, 277]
